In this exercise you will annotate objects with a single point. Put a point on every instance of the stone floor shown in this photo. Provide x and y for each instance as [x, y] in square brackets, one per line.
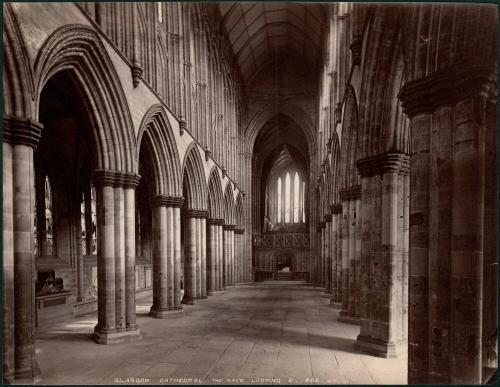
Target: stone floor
[268, 333]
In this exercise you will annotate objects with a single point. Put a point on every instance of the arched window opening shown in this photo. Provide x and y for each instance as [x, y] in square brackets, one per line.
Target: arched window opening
[49, 218]
[296, 195]
[279, 200]
[88, 213]
[160, 12]
[287, 198]
[303, 202]
[44, 235]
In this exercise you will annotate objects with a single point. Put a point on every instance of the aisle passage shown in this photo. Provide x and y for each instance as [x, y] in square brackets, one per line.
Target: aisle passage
[272, 332]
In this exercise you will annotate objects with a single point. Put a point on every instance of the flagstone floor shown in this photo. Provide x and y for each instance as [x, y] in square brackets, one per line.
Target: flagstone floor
[263, 333]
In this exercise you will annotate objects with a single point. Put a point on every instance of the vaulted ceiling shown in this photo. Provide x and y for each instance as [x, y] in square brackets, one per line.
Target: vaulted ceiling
[260, 32]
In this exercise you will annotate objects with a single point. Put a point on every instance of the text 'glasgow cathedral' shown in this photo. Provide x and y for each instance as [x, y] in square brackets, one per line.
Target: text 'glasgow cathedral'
[249, 193]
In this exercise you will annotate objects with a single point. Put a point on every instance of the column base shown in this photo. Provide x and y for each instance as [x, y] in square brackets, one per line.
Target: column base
[115, 336]
[381, 348]
[166, 313]
[210, 293]
[31, 376]
[187, 300]
[336, 304]
[348, 318]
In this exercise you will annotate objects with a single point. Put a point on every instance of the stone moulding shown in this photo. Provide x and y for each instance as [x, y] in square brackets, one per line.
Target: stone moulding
[240, 231]
[228, 227]
[385, 163]
[21, 131]
[446, 87]
[195, 213]
[167, 201]
[351, 193]
[215, 221]
[336, 208]
[107, 177]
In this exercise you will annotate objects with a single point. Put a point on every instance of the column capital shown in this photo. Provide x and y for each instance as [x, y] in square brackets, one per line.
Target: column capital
[321, 225]
[355, 48]
[182, 126]
[215, 221]
[21, 131]
[328, 218]
[167, 201]
[351, 193]
[131, 180]
[446, 86]
[228, 227]
[110, 178]
[195, 213]
[384, 163]
[336, 208]
[239, 230]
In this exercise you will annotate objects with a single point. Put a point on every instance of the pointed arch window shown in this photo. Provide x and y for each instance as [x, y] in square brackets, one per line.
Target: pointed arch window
[296, 197]
[279, 200]
[160, 11]
[287, 198]
[88, 213]
[303, 202]
[44, 231]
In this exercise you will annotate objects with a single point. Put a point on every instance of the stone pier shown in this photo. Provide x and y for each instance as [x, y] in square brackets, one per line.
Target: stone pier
[166, 256]
[114, 262]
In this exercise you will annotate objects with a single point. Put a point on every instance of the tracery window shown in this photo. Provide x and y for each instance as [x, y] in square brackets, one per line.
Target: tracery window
[290, 206]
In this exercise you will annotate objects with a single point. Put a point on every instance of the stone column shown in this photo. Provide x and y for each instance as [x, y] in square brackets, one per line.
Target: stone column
[220, 256]
[447, 224]
[130, 183]
[212, 264]
[383, 284]
[165, 276]
[350, 308]
[336, 299]
[345, 258]
[198, 258]
[326, 236]
[322, 258]
[228, 230]
[203, 225]
[176, 203]
[8, 266]
[20, 136]
[111, 259]
[119, 213]
[189, 259]
[238, 235]
[357, 255]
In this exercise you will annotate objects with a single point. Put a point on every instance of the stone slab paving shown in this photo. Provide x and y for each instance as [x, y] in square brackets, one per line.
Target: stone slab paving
[264, 333]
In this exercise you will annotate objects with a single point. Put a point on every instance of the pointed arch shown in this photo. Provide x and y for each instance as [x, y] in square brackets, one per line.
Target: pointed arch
[193, 179]
[382, 125]
[292, 111]
[79, 50]
[335, 169]
[238, 211]
[229, 217]
[18, 83]
[215, 196]
[156, 130]
[350, 141]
